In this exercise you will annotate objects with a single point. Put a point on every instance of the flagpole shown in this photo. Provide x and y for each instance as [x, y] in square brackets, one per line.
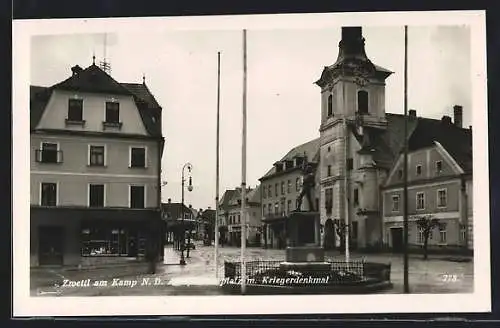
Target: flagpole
[216, 255]
[243, 167]
[405, 169]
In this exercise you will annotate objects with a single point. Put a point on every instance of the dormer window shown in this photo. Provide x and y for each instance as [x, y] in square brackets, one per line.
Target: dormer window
[439, 167]
[112, 112]
[279, 167]
[330, 106]
[112, 117]
[362, 102]
[75, 111]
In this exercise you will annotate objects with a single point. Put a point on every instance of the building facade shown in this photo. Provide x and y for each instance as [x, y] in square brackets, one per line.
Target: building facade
[280, 188]
[439, 186]
[235, 219]
[95, 169]
[224, 215]
[175, 225]
[360, 145]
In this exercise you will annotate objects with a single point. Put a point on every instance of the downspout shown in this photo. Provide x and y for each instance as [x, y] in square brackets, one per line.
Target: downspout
[464, 210]
[162, 229]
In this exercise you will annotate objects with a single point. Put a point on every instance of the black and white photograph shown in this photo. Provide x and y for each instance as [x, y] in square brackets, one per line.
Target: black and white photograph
[309, 163]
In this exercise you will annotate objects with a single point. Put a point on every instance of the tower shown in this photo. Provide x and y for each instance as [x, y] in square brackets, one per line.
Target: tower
[352, 119]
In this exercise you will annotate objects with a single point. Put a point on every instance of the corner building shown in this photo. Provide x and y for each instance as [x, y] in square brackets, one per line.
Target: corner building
[96, 147]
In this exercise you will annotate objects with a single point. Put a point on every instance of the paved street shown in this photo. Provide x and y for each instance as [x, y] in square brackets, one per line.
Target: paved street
[439, 274]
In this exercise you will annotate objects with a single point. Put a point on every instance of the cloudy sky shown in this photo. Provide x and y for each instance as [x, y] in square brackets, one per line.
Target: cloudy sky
[283, 102]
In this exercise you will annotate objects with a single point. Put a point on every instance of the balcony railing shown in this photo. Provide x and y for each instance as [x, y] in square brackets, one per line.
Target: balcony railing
[48, 156]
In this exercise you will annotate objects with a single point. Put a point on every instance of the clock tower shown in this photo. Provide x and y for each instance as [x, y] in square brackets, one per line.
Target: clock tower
[352, 119]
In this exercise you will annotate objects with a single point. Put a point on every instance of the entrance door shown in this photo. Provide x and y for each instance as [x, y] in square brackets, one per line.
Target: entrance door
[50, 245]
[397, 239]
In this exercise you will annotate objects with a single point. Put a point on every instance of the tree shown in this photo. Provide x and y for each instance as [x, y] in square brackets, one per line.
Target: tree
[426, 224]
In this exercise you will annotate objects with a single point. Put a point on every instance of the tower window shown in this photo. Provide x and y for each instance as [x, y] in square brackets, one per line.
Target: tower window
[362, 102]
[330, 105]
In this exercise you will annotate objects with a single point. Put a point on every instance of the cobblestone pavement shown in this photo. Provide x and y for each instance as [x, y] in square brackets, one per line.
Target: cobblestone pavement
[439, 274]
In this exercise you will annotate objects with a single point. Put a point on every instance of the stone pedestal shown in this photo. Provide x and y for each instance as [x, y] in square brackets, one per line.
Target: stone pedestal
[303, 238]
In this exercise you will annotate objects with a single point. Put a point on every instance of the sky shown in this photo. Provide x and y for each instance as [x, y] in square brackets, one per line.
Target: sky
[283, 103]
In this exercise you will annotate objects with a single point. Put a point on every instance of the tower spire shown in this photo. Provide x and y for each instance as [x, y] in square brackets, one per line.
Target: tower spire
[352, 44]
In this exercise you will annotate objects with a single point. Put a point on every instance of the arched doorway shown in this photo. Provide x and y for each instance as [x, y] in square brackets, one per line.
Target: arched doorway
[329, 236]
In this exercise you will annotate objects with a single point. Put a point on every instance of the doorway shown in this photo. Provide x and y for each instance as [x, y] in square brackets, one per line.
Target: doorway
[50, 245]
[397, 239]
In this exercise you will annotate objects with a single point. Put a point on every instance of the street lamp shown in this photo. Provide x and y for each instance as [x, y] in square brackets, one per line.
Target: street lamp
[190, 188]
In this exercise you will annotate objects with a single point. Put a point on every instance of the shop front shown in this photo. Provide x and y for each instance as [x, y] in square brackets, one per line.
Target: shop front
[68, 236]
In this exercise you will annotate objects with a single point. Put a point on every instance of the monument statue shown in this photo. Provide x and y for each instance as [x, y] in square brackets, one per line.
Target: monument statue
[307, 185]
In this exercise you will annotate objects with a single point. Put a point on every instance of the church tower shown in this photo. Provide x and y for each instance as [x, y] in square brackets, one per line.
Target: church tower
[352, 119]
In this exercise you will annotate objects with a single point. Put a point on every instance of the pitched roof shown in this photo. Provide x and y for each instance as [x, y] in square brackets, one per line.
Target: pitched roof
[387, 145]
[174, 210]
[226, 198]
[95, 80]
[457, 141]
[310, 148]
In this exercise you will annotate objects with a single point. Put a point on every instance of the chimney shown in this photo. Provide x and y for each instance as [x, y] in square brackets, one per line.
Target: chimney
[446, 119]
[458, 115]
[190, 206]
[209, 207]
[412, 113]
[170, 200]
[76, 69]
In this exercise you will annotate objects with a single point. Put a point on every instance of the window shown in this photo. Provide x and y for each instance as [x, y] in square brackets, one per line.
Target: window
[395, 203]
[283, 187]
[109, 242]
[289, 186]
[137, 157]
[276, 189]
[282, 203]
[329, 200]
[420, 235]
[96, 155]
[439, 167]
[289, 206]
[75, 110]
[137, 196]
[420, 201]
[297, 184]
[269, 191]
[329, 149]
[239, 218]
[362, 102]
[441, 198]
[49, 153]
[400, 174]
[356, 196]
[112, 112]
[264, 194]
[297, 204]
[270, 208]
[463, 232]
[442, 233]
[329, 171]
[276, 208]
[419, 169]
[330, 105]
[350, 164]
[48, 194]
[96, 195]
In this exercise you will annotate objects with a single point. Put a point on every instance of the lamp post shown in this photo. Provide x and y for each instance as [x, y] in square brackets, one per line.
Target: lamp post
[190, 188]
